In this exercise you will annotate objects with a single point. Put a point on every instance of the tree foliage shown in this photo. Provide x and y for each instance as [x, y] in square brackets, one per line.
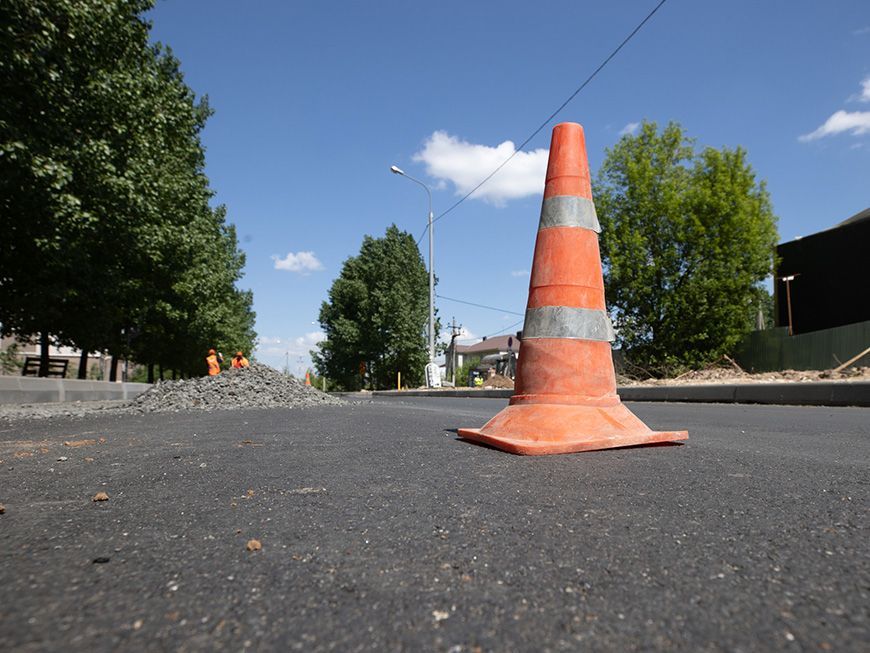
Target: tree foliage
[687, 237]
[377, 314]
[111, 243]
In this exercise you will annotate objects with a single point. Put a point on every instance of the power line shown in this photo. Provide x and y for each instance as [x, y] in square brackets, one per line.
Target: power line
[490, 335]
[492, 308]
[515, 324]
[551, 116]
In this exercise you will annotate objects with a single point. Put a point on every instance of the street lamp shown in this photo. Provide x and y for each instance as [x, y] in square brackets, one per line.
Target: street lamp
[431, 373]
[788, 281]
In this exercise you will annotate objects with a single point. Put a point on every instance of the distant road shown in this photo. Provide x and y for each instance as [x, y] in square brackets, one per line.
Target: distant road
[381, 531]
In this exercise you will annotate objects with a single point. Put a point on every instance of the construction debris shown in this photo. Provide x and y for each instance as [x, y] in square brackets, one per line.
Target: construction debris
[498, 381]
[721, 375]
[257, 386]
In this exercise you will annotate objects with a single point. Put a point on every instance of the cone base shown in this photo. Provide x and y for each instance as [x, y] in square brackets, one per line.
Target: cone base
[538, 429]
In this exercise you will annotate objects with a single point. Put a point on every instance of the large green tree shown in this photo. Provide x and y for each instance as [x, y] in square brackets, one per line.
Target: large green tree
[111, 243]
[62, 67]
[377, 314]
[687, 238]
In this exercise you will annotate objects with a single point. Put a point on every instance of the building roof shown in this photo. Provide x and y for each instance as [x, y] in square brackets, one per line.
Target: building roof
[858, 217]
[496, 343]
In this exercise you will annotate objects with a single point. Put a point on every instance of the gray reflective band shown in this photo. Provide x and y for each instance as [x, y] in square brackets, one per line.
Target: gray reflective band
[567, 322]
[569, 211]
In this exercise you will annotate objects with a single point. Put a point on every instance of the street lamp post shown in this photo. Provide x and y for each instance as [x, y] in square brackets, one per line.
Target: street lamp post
[788, 281]
[429, 381]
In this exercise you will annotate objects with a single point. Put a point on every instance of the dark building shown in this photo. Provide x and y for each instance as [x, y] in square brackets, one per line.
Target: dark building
[828, 277]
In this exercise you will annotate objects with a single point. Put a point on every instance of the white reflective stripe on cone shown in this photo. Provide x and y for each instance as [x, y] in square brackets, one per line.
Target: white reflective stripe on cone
[569, 211]
[568, 322]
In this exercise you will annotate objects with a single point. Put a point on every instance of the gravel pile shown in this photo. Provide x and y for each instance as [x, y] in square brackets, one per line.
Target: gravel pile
[258, 386]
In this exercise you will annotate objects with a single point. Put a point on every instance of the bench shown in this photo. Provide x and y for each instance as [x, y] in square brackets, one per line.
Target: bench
[56, 367]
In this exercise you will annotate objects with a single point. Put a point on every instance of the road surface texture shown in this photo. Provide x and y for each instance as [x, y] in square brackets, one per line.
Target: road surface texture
[380, 530]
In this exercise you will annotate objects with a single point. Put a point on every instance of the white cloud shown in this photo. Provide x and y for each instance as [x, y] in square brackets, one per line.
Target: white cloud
[310, 339]
[863, 30]
[519, 273]
[464, 338]
[303, 262]
[630, 128]
[855, 122]
[467, 164]
[299, 346]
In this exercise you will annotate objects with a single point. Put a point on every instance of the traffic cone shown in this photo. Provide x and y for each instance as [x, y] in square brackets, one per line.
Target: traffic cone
[307, 378]
[565, 395]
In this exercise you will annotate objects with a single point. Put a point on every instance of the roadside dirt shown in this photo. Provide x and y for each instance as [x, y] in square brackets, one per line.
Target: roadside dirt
[498, 381]
[723, 375]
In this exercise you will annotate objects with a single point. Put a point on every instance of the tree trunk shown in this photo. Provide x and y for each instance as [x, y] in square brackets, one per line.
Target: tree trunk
[83, 365]
[113, 369]
[150, 372]
[43, 353]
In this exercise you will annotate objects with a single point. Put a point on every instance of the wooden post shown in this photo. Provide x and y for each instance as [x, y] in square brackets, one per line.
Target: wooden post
[852, 360]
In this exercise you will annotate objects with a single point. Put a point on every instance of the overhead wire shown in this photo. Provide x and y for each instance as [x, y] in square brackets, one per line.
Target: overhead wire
[522, 145]
[492, 308]
[520, 148]
[490, 335]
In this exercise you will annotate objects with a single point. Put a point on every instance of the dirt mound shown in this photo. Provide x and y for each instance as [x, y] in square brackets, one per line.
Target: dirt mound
[730, 374]
[258, 386]
[499, 381]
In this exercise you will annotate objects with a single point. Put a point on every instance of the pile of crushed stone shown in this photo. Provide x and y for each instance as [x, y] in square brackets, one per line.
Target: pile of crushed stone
[257, 386]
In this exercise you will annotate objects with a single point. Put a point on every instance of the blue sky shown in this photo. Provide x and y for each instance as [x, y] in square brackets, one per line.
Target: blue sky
[315, 101]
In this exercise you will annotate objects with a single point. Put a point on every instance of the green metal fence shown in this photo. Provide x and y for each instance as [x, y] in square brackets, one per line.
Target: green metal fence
[774, 349]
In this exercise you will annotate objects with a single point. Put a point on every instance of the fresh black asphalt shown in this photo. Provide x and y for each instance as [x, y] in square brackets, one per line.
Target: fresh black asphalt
[382, 531]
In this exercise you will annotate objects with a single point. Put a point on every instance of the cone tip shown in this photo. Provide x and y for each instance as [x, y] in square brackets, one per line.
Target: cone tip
[568, 168]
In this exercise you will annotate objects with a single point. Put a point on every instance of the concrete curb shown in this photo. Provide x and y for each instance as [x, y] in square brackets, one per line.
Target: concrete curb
[29, 390]
[822, 393]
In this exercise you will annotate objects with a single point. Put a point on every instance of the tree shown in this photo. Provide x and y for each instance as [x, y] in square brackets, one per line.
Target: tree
[62, 67]
[376, 315]
[465, 369]
[687, 238]
[111, 243]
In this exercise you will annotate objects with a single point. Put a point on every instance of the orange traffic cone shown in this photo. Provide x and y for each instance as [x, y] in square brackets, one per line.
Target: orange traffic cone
[307, 378]
[565, 397]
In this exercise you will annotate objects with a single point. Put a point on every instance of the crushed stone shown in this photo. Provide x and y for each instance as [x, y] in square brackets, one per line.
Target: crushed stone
[258, 386]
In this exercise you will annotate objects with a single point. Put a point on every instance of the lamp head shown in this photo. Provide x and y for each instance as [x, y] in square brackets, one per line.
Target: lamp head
[396, 171]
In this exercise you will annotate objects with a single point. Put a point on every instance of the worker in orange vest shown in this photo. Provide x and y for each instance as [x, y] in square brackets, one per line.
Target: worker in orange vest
[214, 360]
[240, 361]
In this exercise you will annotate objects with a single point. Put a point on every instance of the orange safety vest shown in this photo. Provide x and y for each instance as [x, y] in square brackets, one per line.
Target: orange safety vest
[214, 368]
[241, 362]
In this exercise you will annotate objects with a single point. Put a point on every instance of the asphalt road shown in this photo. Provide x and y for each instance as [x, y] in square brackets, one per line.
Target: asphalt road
[380, 530]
